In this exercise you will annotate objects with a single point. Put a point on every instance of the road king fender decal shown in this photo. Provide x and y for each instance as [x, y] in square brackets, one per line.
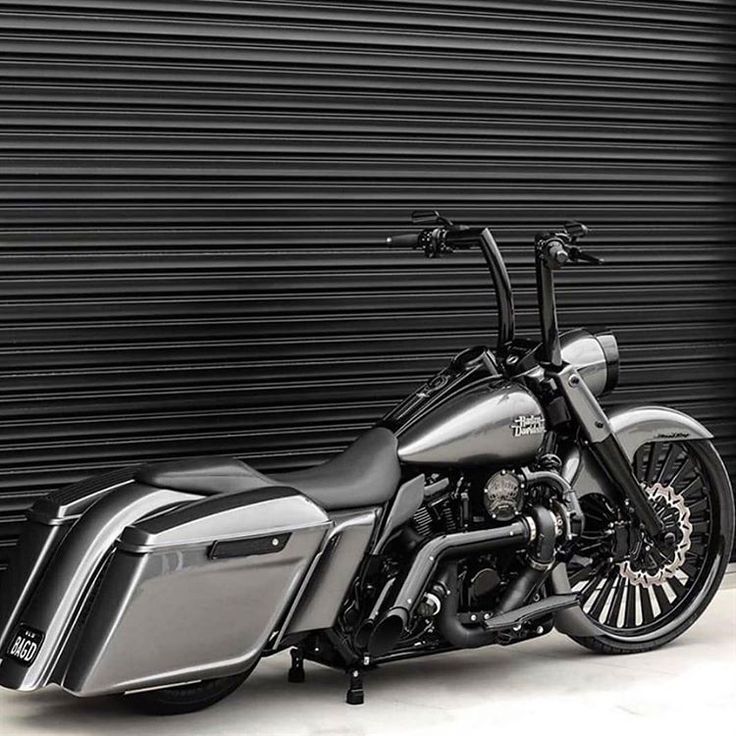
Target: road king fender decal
[526, 424]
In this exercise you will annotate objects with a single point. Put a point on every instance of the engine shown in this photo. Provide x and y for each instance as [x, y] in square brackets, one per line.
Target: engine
[483, 499]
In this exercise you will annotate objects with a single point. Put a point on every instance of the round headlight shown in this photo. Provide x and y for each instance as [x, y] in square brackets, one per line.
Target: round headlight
[607, 341]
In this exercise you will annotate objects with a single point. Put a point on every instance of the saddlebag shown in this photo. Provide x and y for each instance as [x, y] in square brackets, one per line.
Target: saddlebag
[196, 592]
[142, 587]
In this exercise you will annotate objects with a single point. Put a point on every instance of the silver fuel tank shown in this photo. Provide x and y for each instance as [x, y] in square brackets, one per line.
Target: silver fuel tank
[491, 425]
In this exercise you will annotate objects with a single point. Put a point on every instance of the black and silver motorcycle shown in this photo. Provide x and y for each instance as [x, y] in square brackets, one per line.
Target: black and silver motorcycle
[495, 503]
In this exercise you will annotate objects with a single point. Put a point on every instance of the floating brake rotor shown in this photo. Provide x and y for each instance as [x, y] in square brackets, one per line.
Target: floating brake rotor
[650, 565]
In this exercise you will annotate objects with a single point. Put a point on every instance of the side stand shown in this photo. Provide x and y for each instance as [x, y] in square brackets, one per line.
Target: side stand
[355, 688]
[296, 671]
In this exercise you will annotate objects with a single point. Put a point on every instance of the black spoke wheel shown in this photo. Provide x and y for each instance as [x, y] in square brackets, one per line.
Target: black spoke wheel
[654, 592]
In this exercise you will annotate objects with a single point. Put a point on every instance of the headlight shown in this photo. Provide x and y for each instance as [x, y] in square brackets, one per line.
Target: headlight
[595, 357]
[607, 341]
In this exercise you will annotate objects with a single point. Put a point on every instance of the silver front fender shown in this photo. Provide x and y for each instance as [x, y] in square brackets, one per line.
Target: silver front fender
[633, 428]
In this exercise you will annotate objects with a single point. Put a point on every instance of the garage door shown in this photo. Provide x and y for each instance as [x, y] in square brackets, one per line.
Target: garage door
[195, 196]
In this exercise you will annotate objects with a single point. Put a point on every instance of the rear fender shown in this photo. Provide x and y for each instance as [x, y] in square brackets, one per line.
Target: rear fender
[49, 520]
[55, 604]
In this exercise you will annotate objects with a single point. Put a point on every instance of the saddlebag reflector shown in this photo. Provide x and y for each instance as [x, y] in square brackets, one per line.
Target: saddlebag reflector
[168, 610]
[244, 547]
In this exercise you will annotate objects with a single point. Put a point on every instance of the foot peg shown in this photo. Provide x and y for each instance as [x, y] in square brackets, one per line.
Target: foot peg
[296, 671]
[355, 689]
[531, 611]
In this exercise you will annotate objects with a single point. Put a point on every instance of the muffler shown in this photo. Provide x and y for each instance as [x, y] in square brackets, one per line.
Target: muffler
[387, 632]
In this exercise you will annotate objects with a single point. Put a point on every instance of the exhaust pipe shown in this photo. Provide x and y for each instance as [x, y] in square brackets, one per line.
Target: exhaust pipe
[541, 561]
[390, 626]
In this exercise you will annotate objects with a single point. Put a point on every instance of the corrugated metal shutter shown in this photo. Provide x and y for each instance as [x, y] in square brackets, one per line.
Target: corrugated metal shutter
[195, 194]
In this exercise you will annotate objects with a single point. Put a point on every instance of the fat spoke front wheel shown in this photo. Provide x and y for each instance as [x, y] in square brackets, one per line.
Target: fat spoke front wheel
[641, 593]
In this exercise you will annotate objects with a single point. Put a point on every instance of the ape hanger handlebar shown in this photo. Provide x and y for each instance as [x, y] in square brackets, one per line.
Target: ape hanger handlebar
[553, 250]
[442, 237]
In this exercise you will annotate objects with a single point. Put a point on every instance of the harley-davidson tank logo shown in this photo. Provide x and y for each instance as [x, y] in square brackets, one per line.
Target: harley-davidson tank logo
[527, 424]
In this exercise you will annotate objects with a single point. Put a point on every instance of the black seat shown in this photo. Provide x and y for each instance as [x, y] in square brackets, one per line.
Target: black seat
[367, 473]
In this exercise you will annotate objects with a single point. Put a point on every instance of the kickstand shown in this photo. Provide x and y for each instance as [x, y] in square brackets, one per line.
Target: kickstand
[355, 688]
[296, 671]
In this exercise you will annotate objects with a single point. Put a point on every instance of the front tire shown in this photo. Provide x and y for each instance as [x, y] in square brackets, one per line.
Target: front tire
[185, 698]
[636, 606]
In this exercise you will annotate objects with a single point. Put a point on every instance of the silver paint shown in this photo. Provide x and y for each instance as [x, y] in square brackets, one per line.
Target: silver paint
[166, 613]
[633, 428]
[474, 428]
[636, 426]
[584, 353]
[328, 585]
[55, 604]
[39, 539]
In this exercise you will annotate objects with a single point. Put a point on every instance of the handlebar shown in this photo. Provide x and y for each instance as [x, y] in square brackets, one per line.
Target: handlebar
[441, 236]
[558, 248]
[437, 241]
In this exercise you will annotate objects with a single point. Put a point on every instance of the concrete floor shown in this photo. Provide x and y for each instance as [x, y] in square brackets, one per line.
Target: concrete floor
[550, 685]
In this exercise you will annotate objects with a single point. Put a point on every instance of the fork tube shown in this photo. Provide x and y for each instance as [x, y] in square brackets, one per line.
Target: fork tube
[548, 313]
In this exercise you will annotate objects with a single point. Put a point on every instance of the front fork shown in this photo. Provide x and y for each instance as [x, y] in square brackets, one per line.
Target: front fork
[605, 446]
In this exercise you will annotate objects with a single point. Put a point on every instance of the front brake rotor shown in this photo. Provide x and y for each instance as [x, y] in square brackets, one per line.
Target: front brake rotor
[651, 564]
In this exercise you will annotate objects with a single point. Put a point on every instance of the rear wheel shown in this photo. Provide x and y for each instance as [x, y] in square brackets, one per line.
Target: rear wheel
[651, 594]
[186, 698]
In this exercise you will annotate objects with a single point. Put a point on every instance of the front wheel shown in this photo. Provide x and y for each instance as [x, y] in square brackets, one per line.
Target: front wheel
[186, 698]
[655, 594]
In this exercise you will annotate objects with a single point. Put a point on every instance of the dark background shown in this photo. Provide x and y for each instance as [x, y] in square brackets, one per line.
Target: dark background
[195, 194]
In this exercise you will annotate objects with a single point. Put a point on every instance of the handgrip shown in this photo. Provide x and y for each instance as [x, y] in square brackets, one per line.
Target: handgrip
[407, 240]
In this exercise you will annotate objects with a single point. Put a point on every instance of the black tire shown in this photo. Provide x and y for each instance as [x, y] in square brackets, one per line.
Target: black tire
[173, 701]
[715, 524]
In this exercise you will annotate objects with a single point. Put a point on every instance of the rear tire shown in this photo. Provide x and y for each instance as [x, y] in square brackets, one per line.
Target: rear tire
[196, 696]
[651, 619]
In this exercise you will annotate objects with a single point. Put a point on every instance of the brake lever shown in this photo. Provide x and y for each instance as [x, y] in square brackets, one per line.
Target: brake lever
[429, 217]
[578, 255]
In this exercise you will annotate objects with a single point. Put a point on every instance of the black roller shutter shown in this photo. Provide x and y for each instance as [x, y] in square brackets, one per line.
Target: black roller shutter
[195, 196]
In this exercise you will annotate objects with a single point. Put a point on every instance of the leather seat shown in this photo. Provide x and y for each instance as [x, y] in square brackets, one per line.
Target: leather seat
[367, 473]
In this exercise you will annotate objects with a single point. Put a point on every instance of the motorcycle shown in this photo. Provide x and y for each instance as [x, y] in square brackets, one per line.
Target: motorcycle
[495, 503]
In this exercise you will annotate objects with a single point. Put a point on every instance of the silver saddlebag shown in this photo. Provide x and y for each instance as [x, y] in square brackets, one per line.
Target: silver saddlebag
[195, 592]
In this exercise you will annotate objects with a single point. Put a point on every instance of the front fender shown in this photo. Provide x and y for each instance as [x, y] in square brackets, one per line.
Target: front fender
[633, 427]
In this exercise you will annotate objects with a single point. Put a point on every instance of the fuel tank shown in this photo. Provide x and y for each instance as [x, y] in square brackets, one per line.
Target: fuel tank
[499, 424]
